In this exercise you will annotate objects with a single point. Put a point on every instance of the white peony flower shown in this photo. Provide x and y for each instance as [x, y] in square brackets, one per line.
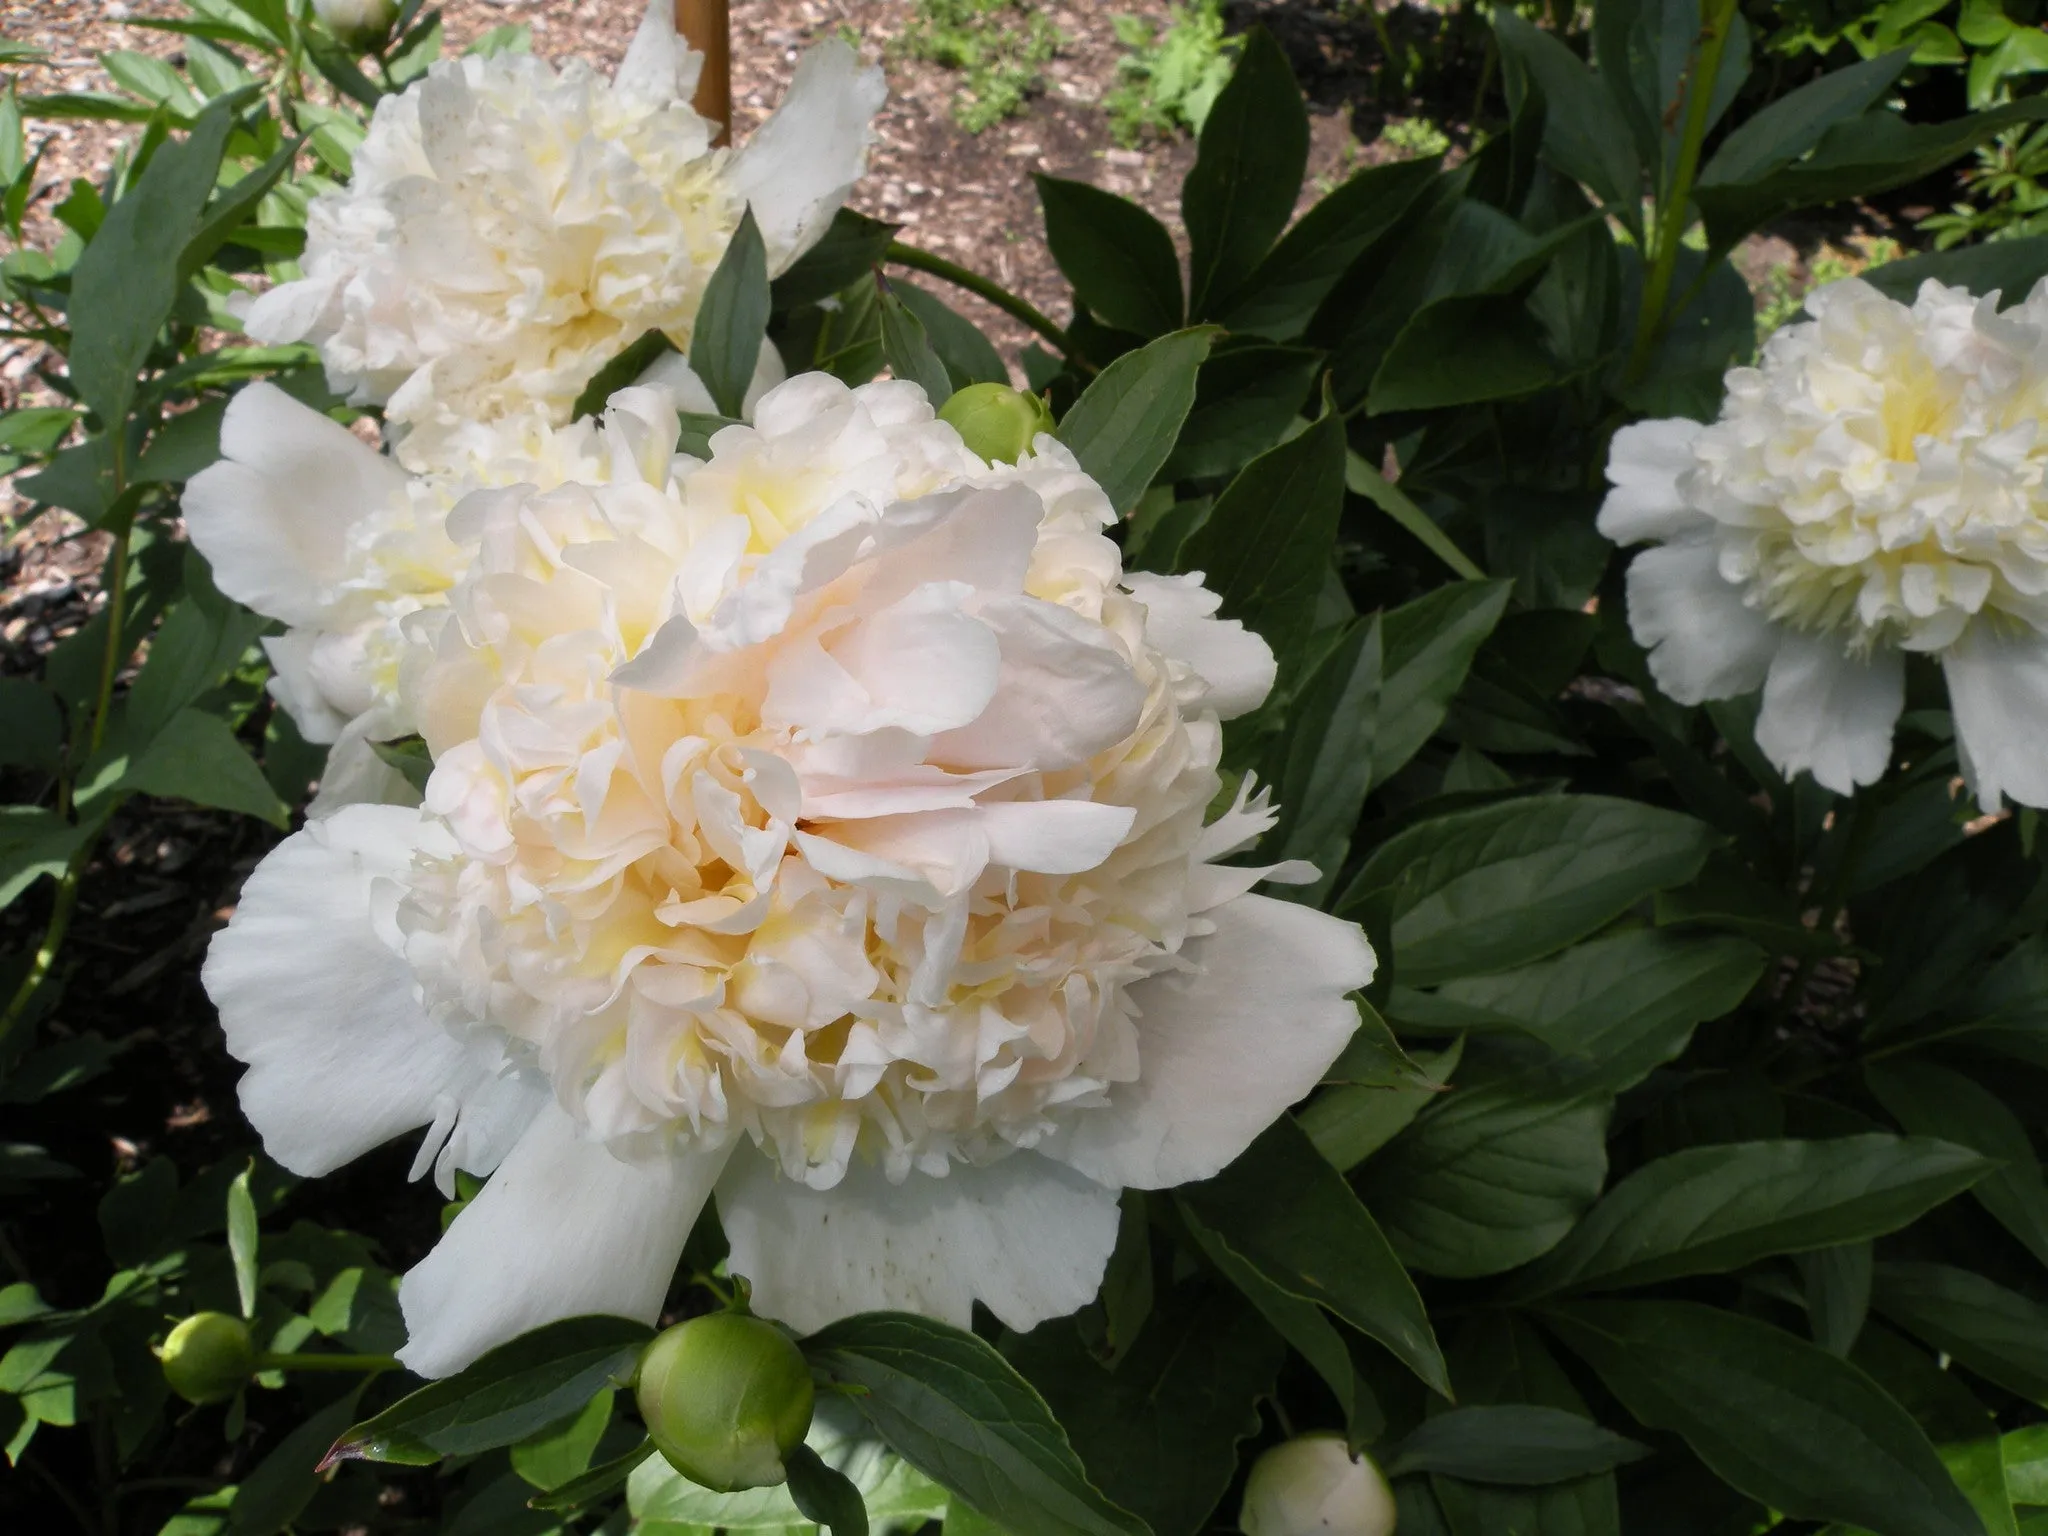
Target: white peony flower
[510, 227]
[826, 832]
[306, 524]
[1875, 486]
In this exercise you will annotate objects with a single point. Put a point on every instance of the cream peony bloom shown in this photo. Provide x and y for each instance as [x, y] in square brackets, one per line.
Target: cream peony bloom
[1313, 1486]
[307, 525]
[510, 228]
[823, 829]
[1875, 486]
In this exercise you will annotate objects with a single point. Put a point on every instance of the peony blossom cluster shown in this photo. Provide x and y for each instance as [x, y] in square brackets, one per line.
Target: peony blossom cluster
[510, 228]
[1877, 485]
[824, 829]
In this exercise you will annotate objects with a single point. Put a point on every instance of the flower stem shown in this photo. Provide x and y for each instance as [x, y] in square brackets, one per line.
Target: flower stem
[1652, 319]
[1009, 303]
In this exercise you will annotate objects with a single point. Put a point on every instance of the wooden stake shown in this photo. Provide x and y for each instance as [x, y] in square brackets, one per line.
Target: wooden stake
[707, 26]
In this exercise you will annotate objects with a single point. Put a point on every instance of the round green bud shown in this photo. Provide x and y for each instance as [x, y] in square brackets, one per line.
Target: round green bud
[726, 1398]
[1314, 1486]
[209, 1357]
[996, 421]
[358, 24]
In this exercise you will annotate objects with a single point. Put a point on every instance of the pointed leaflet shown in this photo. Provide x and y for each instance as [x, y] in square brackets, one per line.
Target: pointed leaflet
[1267, 543]
[511, 1392]
[957, 1411]
[1585, 134]
[732, 321]
[1515, 1443]
[1774, 1416]
[1127, 421]
[1502, 885]
[1999, 1334]
[1932, 1100]
[1428, 648]
[1159, 1434]
[1289, 1213]
[969, 356]
[1247, 173]
[125, 283]
[1119, 258]
[909, 351]
[1710, 1210]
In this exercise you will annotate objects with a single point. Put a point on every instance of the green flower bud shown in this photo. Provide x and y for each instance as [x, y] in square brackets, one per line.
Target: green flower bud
[360, 24]
[996, 421]
[1314, 1486]
[209, 1357]
[726, 1398]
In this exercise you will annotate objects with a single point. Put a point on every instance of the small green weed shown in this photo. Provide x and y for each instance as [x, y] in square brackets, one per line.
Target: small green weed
[2006, 193]
[1170, 79]
[1416, 138]
[1001, 46]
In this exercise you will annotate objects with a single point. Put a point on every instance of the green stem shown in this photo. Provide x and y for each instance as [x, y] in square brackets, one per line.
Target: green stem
[365, 1364]
[961, 277]
[1671, 218]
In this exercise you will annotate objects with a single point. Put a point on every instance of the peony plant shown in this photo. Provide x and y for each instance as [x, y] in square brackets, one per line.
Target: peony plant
[1156, 929]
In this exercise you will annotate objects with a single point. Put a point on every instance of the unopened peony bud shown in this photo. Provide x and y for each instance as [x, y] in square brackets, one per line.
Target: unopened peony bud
[1312, 1486]
[209, 1357]
[997, 422]
[726, 1398]
[358, 23]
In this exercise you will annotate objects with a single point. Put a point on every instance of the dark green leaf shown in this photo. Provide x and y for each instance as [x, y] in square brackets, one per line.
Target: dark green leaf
[1932, 1100]
[1487, 889]
[955, 1409]
[851, 247]
[733, 319]
[1245, 401]
[969, 356]
[559, 1453]
[199, 644]
[620, 372]
[1159, 1434]
[909, 353]
[1119, 258]
[1584, 133]
[273, 1495]
[1429, 645]
[1299, 272]
[1348, 1125]
[1714, 1209]
[196, 757]
[600, 1479]
[1612, 1009]
[242, 1238]
[2011, 267]
[1999, 1334]
[31, 725]
[186, 444]
[1127, 420]
[1330, 757]
[1267, 543]
[1290, 1214]
[1512, 1443]
[511, 1392]
[1837, 1294]
[824, 1495]
[1774, 1416]
[1794, 123]
[1488, 1179]
[1247, 173]
[124, 285]
[34, 842]
[233, 208]
[1460, 351]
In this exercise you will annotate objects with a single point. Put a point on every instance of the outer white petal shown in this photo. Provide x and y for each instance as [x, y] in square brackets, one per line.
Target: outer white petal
[316, 999]
[1180, 618]
[672, 372]
[798, 167]
[356, 775]
[1704, 641]
[292, 311]
[1643, 466]
[1828, 713]
[1225, 1047]
[1998, 689]
[273, 516]
[1026, 1237]
[659, 67]
[563, 1228]
[292, 685]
